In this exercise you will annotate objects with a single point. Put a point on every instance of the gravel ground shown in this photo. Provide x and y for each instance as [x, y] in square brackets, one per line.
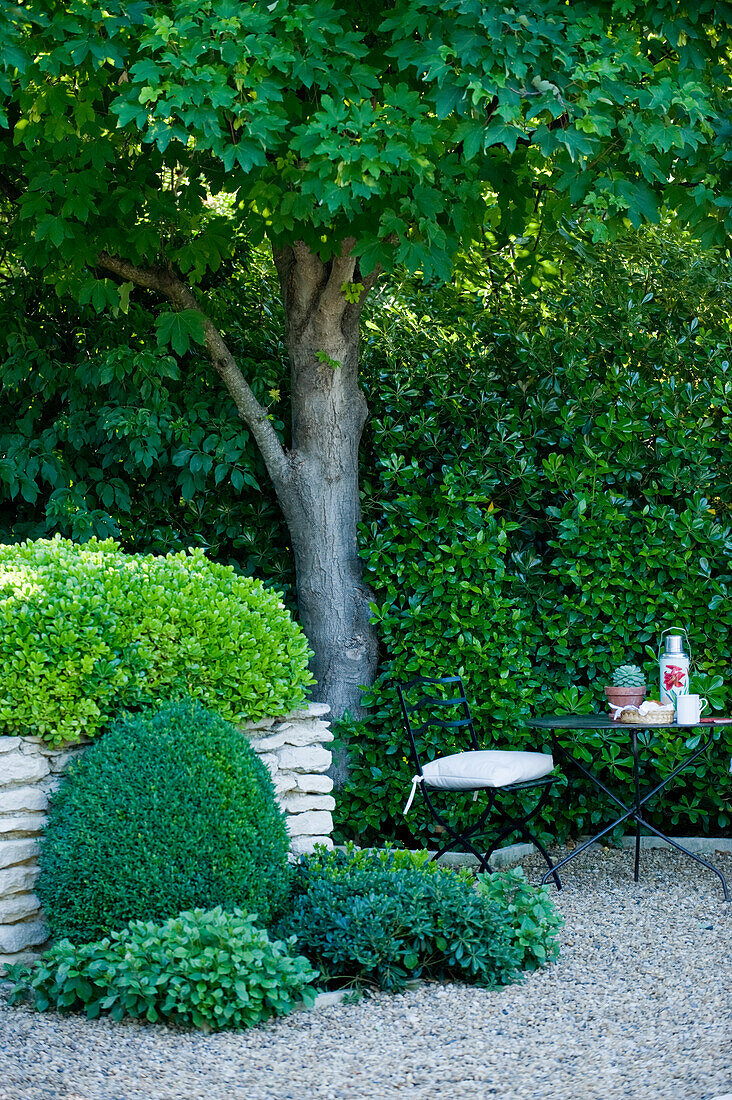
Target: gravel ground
[639, 1006]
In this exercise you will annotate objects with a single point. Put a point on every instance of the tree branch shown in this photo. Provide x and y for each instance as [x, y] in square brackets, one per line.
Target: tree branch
[254, 415]
[342, 267]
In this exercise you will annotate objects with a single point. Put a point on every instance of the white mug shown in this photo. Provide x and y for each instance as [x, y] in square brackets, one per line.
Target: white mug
[689, 709]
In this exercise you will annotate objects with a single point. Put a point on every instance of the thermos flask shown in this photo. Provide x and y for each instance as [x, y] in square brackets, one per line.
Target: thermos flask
[673, 665]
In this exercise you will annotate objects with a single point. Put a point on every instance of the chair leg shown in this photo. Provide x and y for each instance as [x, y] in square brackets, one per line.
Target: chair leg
[512, 824]
[518, 825]
[462, 839]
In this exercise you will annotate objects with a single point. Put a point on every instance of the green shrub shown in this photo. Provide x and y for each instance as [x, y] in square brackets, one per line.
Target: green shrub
[211, 970]
[350, 858]
[88, 630]
[170, 810]
[382, 921]
[531, 911]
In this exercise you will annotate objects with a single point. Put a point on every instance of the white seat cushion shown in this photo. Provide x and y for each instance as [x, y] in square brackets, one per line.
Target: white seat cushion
[468, 771]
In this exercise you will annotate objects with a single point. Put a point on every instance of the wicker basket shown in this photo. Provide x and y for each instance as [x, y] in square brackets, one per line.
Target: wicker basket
[663, 716]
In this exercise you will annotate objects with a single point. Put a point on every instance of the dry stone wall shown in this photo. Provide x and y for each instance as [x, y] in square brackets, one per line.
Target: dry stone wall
[293, 748]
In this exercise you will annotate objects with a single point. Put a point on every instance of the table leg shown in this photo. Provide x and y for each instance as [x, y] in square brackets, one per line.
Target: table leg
[598, 783]
[691, 855]
[637, 806]
[633, 812]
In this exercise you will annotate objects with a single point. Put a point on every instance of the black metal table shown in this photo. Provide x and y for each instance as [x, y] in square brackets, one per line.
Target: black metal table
[632, 813]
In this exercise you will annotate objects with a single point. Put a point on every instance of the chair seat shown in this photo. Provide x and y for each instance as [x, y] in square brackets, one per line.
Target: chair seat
[468, 771]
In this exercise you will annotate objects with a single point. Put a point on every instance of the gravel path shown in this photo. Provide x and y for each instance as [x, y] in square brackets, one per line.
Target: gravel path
[639, 1007]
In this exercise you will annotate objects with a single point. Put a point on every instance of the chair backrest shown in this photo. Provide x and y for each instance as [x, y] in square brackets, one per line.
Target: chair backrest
[437, 702]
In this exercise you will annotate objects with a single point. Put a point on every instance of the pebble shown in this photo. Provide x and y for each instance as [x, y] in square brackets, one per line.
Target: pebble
[638, 1007]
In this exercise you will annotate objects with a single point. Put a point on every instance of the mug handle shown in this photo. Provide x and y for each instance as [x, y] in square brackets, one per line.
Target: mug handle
[703, 703]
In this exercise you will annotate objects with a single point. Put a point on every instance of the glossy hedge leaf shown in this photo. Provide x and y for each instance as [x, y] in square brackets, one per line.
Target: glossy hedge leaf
[545, 489]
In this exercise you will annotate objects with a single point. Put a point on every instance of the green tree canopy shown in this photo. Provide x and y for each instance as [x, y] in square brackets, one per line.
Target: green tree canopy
[400, 125]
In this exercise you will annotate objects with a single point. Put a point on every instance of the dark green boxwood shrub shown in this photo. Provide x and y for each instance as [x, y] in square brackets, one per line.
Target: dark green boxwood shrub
[88, 630]
[170, 810]
[212, 970]
[382, 921]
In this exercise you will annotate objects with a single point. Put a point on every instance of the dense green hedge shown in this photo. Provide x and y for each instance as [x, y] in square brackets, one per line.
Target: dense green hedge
[88, 630]
[547, 488]
[170, 810]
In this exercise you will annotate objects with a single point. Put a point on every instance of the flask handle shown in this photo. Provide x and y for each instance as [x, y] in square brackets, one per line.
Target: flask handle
[675, 630]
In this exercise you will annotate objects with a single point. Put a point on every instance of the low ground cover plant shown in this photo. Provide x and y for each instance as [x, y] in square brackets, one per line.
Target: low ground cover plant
[380, 920]
[211, 970]
[87, 630]
[170, 810]
[531, 912]
[355, 917]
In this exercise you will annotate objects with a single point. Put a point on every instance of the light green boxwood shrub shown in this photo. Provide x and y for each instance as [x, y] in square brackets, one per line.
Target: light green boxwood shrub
[212, 970]
[169, 810]
[87, 630]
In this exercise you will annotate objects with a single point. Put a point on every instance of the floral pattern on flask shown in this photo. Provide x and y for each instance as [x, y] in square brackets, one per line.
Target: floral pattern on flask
[674, 677]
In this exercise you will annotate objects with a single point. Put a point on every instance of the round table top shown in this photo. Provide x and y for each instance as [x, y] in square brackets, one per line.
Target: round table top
[605, 722]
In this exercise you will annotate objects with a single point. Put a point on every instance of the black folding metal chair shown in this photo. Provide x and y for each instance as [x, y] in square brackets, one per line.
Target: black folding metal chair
[431, 705]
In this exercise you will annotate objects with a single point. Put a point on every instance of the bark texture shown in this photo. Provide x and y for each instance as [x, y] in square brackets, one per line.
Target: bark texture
[316, 479]
[322, 506]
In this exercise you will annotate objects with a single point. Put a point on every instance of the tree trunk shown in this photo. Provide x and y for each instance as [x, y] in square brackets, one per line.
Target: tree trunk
[321, 500]
[316, 479]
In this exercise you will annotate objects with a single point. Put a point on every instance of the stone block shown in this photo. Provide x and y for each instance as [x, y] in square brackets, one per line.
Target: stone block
[304, 845]
[18, 937]
[317, 784]
[310, 710]
[15, 767]
[16, 957]
[9, 744]
[17, 851]
[50, 784]
[262, 724]
[310, 758]
[299, 802]
[283, 782]
[270, 761]
[17, 907]
[33, 746]
[306, 733]
[58, 760]
[18, 879]
[21, 823]
[23, 798]
[267, 744]
[312, 823]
